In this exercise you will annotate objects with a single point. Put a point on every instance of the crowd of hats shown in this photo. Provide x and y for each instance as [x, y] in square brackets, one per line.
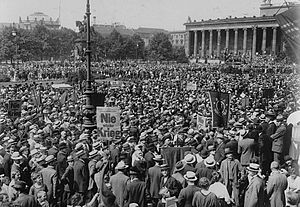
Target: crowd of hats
[155, 108]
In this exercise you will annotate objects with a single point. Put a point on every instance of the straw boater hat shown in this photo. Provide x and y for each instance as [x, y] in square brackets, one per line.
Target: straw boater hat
[16, 156]
[164, 167]
[93, 154]
[121, 166]
[209, 162]
[70, 158]
[179, 166]
[49, 159]
[253, 167]
[190, 176]
[158, 158]
[189, 159]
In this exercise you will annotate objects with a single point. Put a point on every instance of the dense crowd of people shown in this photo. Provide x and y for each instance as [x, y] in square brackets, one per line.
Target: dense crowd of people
[48, 158]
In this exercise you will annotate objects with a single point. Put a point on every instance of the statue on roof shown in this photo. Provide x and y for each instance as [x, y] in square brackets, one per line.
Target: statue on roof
[267, 1]
[189, 19]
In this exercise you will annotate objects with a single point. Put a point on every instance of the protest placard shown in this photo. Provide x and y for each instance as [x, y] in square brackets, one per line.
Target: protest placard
[108, 122]
[191, 86]
[14, 108]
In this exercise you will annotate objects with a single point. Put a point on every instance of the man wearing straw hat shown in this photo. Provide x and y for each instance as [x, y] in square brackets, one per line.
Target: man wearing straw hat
[186, 194]
[254, 195]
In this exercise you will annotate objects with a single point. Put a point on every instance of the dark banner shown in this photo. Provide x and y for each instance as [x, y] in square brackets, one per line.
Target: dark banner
[98, 99]
[220, 103]
[289, 22]
[268, 93]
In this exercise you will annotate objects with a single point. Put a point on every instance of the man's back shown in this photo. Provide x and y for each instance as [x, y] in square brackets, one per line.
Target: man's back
[276, 186]
[136, 192]
[118, 184]
[154, 174]
[186, 195]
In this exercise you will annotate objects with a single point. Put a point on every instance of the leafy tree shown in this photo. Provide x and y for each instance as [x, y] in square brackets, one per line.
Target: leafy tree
[179, 55]
[160, 47]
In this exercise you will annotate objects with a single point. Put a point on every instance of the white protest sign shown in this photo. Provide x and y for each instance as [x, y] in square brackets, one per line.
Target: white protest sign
[191, 86]
[108, 122]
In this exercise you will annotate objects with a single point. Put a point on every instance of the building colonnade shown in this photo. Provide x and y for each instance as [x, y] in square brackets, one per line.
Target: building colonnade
[236, 41]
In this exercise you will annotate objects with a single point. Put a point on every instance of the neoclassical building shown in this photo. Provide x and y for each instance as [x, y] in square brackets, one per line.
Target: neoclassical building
[243, 35]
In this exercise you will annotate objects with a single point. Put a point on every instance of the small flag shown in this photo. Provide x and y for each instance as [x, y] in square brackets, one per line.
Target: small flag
[63, 98]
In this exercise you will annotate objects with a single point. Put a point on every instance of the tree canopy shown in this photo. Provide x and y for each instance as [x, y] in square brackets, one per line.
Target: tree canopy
[41, 43]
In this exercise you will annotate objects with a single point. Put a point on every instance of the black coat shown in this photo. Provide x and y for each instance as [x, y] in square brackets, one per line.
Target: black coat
[81, 176]
[136, 192]
[174, 187]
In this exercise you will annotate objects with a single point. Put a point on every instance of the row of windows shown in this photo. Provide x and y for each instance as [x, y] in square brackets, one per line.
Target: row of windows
[177, 42]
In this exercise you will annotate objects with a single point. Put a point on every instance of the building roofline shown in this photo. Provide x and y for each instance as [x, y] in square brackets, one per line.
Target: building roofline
[232, 20]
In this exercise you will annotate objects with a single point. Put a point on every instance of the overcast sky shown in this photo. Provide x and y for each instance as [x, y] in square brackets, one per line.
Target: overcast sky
[165, 14]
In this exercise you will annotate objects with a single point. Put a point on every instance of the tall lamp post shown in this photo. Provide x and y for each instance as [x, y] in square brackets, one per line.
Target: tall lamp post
[14, 34]
[88, 120]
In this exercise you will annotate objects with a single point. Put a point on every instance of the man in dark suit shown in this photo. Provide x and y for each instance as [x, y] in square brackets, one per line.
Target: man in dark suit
[136, 190]
[153, 182]
[62, 159]
[50, 179]
[23, 199]
[81, 175]
[277, 138]
[264, 151]
[150, 155]
[254, 195]
[168, 182]
[270, 116]
[186, 194]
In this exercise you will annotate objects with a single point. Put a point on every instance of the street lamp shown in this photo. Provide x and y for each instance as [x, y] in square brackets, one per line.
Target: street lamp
[136, 52]
[88, 120]
[14, 34]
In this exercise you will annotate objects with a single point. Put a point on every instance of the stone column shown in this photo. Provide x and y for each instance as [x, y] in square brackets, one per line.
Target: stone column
[203, 43]
[264, 38]
[227, 39]
[218, 42]
[195, 43]
[245, 41]
[254, 42]
[187, 44]
[235, 40]
[210, 42]
[274, 40]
